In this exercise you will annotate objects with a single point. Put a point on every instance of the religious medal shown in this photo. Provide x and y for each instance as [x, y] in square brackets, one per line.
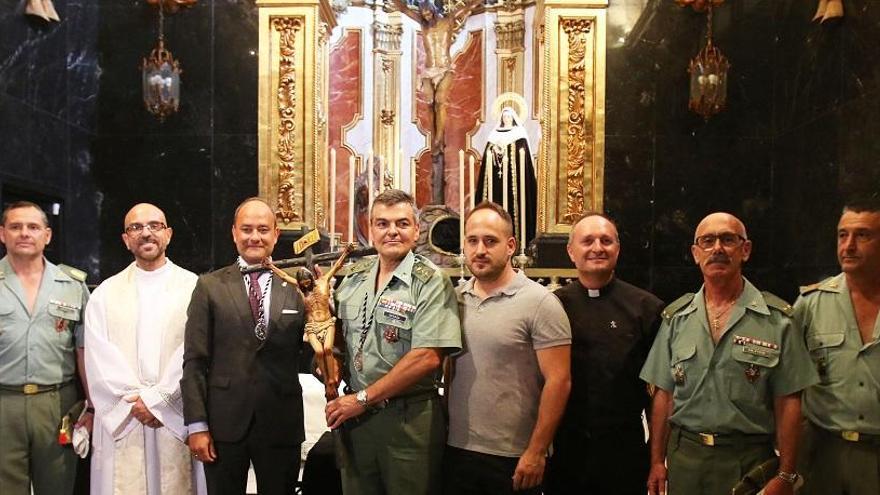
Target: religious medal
[260, 330]
[679, 375]
[822, 367]
[390, 334]
[752, 373]
[61, 325]
[359, 361]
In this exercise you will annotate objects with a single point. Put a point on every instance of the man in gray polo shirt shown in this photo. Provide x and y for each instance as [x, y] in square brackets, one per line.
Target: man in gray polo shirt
[516, 336]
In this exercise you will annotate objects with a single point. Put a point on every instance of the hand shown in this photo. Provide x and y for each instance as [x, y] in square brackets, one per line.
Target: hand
[529, 470]
[341, 409]
[141, 413]
[777, 486]
[657, 479]
[87, 420]
[201, 445]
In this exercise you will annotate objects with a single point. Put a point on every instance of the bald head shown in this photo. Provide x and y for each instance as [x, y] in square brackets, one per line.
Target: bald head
[734, 224]
[147, 235]
[141, 209]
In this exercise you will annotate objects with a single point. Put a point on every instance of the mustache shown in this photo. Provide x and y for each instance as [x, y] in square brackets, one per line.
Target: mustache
[718, 258]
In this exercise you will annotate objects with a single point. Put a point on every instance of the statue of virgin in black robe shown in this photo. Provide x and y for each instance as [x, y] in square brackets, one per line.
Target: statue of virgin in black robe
[503, 152]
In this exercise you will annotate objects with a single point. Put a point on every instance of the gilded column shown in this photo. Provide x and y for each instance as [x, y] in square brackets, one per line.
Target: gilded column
[292, 106]
[387, 33]
[571, 162]
[510, 29]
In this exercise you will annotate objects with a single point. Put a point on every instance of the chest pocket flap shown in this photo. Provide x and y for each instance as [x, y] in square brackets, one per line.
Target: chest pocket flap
[756, 354]
[683, 353]
[62, 309]
[820, 340]
[348, 310]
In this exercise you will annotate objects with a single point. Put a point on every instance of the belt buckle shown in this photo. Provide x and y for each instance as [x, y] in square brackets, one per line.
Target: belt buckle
[850, 436]
[30, 389]
[707, 439]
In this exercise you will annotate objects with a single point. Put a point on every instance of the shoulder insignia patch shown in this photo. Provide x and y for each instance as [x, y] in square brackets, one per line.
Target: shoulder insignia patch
[422, 271]
[363, 265]
[677, 305]
[776, 302]
[74, 273]
[825, 284]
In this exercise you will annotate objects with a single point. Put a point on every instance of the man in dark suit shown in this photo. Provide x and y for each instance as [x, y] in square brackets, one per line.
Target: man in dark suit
[241, 395]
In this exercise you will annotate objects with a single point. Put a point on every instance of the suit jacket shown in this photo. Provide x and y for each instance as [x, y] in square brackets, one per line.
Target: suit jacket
[230, 377]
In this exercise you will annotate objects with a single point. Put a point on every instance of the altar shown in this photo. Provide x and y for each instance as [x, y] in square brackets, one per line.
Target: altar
[454, 103]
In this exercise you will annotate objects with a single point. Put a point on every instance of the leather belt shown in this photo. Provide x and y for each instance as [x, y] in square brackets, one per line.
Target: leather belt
[33, 388]
[851, 436]
[723, 439]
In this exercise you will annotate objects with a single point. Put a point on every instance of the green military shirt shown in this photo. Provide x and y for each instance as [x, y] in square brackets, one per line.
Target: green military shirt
[39, 348]
[728, 387]
[848, 393]
[417, 307]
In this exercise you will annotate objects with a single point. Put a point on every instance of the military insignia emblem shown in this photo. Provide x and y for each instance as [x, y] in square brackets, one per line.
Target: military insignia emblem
[390, 334]
[752, 373]
[61, 325]
[678, 375]
[613, 324]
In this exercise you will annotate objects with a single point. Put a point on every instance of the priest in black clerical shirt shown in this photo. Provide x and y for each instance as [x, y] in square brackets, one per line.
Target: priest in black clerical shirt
[600, 446]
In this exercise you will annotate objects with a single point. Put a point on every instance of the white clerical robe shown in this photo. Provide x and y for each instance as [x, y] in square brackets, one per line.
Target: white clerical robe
[134, 347]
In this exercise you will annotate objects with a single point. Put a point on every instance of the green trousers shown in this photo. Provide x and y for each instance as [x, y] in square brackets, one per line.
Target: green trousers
[396, 451]
[29, 450]
[697, 469]
[831, 465]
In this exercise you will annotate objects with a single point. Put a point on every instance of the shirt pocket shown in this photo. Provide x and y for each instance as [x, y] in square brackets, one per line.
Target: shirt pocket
[748, 375]
[64, 315]
[821, 347]
[348, 312]
[394, 330]
[7, 319]
[685, 370]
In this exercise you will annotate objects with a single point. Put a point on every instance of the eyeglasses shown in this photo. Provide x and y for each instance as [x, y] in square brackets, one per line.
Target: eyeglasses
[136, 228]
[728, 240]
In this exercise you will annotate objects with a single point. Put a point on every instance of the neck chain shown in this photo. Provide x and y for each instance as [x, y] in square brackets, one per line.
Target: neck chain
[716, 318]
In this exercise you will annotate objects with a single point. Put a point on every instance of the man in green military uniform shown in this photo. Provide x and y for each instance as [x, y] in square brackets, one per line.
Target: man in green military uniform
[728, 370]
[841, 329]
[41, 309]
[399, 317]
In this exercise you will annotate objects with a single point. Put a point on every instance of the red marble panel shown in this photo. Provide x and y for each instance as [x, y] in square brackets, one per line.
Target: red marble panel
[465, 104]
[345, 104]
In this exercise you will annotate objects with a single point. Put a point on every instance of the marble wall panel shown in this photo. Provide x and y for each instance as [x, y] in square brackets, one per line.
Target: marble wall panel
[346, 104]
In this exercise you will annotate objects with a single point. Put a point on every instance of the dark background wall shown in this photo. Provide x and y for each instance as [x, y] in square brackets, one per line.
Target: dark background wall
[796, 139]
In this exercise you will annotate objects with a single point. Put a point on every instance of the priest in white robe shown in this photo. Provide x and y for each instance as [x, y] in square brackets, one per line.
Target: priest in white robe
[134, 360]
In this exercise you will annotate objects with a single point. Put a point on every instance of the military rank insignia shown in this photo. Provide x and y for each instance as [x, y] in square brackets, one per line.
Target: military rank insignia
[753, 373]
[678, 375]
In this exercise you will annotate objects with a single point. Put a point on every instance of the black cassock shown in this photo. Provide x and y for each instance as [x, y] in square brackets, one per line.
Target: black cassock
[493, 160]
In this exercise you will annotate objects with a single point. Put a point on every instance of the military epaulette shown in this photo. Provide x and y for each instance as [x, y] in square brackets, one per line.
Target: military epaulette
[776, 302]
[677, 305]
[363, 265]
[422, 271]
[806, 289]
[74, 273]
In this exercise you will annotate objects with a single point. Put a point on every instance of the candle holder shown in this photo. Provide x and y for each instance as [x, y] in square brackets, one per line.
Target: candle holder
[460, 260]
[522, 260]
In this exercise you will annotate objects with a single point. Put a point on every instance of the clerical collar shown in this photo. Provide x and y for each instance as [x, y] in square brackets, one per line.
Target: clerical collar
[594, 292]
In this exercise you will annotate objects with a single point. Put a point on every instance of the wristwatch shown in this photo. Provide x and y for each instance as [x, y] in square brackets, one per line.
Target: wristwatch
[362, 399]
[790, 478]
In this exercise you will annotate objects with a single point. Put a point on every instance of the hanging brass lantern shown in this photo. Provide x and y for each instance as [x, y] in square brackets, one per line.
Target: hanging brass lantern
[161, 77]
[708, 70]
